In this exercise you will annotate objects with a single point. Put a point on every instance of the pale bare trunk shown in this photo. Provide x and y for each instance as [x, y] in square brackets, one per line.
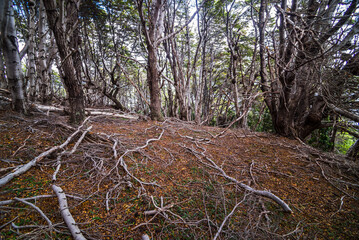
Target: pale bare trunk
[12, 60]
[31, 53]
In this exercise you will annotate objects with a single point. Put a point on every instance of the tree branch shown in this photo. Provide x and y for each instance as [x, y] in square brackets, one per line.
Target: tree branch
[66, 215]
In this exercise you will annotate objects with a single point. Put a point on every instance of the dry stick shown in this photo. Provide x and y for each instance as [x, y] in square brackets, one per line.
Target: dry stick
[326, 178]
[7, 202]
[158, 209]
[23, 145]
[123, 164]
[263, 193]
[69, 153]
[33, 162]
[66, 215]
[227, 217]
[37, 209]
[11, 221]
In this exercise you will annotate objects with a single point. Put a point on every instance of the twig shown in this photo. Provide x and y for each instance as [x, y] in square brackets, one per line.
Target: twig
[5, 224]
[227, 217]
[23, 145]
[69, 153]
[123, 164]
[340, 207]
[323, 173]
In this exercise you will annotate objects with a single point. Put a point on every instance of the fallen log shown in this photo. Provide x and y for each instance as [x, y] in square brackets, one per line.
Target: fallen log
[66, 214]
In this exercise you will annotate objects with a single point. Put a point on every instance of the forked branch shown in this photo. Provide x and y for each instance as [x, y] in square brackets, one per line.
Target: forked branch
[263, 193]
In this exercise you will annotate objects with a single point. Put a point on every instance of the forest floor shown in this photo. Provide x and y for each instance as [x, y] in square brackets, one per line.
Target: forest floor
[134, 177]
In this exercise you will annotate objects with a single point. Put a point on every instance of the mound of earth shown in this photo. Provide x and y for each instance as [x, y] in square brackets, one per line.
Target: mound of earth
[170, 180]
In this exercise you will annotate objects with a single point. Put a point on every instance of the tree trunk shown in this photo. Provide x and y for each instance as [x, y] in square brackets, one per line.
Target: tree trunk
[3, 82]
[353, 151]
[293, 91]
[153, 83]
[152, 30]
[31, 72]
[12, 57]
[42, 66]
[72, 83]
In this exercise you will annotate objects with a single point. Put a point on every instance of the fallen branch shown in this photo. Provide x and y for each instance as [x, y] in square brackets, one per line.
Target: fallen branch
[37, 159]
[37, 209]
[227, 217]
[263, 193]
[123, 164]
[89, 110]
[66, 215]
[7, 202]
[69, 153]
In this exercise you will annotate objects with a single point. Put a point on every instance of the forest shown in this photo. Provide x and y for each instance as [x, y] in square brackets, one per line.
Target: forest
[179, 119]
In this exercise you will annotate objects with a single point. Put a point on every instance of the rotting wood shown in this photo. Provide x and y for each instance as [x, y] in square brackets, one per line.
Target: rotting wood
[93, 112]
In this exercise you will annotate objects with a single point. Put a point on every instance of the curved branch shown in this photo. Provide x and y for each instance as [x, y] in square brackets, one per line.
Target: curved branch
[262, 193]
[344, 112]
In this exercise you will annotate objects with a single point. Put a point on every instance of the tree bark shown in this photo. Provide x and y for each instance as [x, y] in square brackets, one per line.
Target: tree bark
[42, 66]
[152, 30]
[72, 83]
[31, 71]
[353, 151]
[12, 57]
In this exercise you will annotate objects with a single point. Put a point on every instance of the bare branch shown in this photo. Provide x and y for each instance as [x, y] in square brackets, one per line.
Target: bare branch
[33, 162]
[37, 209]
[69, 220]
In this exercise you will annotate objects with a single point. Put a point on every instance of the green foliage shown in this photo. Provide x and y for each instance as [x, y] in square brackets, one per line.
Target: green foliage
[320, 138]
[260, 122]
[343, 142]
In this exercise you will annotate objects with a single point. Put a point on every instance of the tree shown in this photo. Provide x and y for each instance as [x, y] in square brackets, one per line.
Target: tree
[152, 25]
[9, 46]
[64, 28]
[309, 35]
